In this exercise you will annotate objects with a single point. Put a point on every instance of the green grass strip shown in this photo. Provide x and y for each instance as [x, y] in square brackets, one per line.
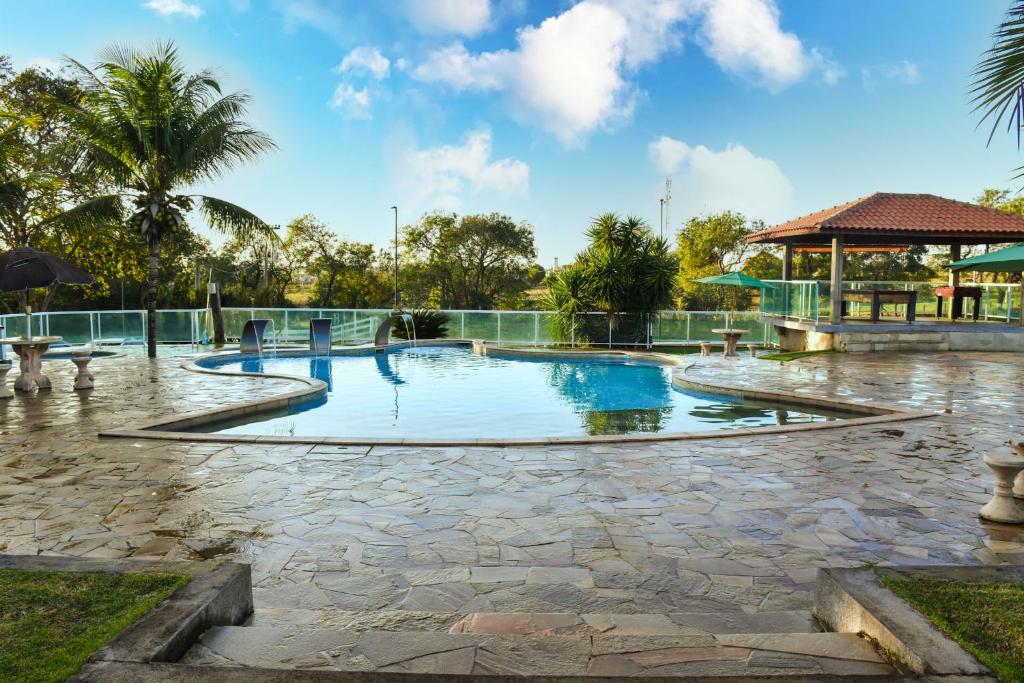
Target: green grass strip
[986, 619]
[51, 622]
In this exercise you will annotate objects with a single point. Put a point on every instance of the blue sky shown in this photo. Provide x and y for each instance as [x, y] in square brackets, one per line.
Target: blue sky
[554, 112]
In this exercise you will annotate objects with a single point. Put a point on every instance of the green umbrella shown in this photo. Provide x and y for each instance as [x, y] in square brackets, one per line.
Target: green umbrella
[736, 279]
[1008, 260]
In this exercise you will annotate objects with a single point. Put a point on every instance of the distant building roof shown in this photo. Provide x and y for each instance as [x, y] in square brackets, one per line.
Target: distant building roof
[914, 218]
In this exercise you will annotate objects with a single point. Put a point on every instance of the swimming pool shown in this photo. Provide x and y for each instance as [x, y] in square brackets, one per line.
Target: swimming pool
[449, 392]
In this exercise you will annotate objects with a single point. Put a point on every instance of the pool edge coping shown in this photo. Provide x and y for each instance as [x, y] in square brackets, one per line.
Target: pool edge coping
[167, 428]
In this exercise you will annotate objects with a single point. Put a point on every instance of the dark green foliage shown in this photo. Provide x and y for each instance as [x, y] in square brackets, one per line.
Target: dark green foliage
[51, 622]
[427, 323]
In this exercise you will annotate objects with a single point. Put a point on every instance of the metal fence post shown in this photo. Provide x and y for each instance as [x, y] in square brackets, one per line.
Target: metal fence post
[536, 328]
[462, 330]
[498, 313]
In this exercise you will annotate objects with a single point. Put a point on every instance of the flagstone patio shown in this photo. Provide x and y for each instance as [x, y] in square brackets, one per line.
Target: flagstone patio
[728, 532]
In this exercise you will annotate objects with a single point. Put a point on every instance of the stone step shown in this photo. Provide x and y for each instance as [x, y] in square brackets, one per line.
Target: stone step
[540, 624]
[778, 655]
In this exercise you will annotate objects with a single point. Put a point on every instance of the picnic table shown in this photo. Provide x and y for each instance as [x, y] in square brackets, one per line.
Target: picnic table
[730, 336]
[876, 296]
[30, 350]
[957, 294]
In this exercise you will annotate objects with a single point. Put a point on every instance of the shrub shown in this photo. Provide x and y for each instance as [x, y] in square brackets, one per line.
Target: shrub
[428, 324]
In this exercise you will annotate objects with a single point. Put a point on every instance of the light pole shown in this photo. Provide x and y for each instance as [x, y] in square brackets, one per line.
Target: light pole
[661, 218]
[395, 209]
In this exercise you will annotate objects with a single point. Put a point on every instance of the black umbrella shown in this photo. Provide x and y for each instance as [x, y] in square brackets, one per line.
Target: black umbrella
[26, 268]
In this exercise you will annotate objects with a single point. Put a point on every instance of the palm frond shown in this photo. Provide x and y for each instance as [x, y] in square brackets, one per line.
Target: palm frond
[107, 209]
[998, 77]
[233, 220]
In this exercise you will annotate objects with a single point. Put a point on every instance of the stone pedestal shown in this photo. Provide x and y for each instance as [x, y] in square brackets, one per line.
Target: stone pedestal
[5, 391]
[731, 337]
[84, 378]
[752, 348]
[1006, 464]
[705, 349]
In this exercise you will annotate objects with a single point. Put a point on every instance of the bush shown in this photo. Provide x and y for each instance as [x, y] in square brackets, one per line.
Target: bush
[428, 324]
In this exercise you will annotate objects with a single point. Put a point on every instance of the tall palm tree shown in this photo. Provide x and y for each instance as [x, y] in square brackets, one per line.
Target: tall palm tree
[998, 87]
[153, 130]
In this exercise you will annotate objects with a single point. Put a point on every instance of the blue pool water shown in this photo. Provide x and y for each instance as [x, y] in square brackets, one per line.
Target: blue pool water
[449, 392]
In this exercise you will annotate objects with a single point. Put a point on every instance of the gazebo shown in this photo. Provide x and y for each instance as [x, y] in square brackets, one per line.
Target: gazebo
[886, 221]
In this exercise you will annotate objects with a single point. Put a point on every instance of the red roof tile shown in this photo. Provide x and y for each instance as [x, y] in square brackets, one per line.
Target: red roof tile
[887, 212]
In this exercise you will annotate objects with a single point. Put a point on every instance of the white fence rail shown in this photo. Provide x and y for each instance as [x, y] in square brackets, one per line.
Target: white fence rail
[195, 326]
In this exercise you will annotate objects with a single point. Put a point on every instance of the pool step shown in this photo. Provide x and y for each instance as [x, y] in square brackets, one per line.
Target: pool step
[756, 655]
[541, 623]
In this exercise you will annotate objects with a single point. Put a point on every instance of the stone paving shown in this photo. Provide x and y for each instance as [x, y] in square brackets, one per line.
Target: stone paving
[687, 537]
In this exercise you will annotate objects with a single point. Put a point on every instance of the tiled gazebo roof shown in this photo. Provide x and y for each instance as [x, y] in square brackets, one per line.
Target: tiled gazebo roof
[887, 216]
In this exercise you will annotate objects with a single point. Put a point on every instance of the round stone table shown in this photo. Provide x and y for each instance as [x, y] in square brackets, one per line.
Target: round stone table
[30, 351]
[731, 338]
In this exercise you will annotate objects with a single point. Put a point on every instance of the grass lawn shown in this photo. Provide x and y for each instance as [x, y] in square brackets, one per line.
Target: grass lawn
[787, 356]
[51, 622]
[986, 619]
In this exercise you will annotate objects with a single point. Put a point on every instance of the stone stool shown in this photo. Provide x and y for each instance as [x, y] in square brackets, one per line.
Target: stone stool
[84, 378]
[1006, 464]
[1018, 486]
[705, 349]
[5, 391]
[753, 350]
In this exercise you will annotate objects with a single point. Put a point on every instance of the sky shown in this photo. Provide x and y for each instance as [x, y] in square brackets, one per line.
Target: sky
[554, 112]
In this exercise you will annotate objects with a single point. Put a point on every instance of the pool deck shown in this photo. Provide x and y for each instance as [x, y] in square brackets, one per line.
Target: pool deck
[734, 526]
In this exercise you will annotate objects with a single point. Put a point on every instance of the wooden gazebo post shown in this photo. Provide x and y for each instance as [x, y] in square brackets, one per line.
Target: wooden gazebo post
[787, 262]
[837, 279]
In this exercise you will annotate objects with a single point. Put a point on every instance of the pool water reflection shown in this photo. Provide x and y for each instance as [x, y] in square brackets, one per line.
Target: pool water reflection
[439, 392]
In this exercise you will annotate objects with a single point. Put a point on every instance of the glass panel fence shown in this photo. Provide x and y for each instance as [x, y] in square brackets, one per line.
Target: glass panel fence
[359, 326]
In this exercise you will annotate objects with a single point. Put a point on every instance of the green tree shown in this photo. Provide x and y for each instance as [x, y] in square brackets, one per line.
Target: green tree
[345, 274]
[152, 129]
[626, 272]
[473, 262]
[712, 245]
[39, 181]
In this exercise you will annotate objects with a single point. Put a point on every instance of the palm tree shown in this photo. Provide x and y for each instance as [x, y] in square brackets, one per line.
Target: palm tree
[626, 272]
[152, 129]
[998, 87]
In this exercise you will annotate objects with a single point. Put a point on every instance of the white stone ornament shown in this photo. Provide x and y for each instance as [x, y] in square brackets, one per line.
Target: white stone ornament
[1006, 464]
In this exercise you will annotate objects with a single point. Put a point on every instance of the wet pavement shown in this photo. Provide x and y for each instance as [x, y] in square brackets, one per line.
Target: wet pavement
[735, 525]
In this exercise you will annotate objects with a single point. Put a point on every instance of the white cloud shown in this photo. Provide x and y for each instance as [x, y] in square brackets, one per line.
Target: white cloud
[564, 75]
[438, 177]
[450, 17]
[733, 178]
[352, 103]
[169, 8]
[365, 60]
[571, 75]
[312, 14]
[903, 72]
[744, 37]
[668, 153]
